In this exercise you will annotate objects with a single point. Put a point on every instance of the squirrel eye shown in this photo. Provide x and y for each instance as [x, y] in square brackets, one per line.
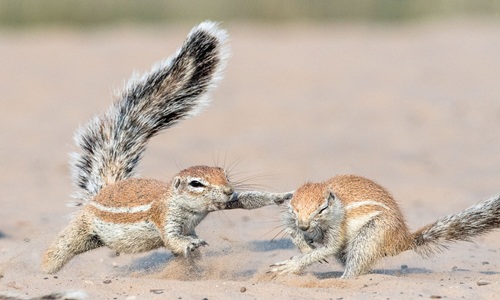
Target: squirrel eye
[196, 184]
[322, 210]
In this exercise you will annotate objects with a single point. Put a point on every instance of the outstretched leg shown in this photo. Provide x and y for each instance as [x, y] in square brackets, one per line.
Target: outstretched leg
[77, 238]
[363, 250]
[256, 199]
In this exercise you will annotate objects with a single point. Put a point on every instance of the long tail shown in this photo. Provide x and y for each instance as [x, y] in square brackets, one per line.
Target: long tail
[463, 226]
[112, 144]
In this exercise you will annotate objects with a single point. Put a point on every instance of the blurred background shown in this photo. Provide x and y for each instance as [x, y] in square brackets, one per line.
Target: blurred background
[402, 91]
[91, 13]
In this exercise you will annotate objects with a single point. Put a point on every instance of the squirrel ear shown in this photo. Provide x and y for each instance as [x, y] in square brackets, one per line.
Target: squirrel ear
[176, 183]
[334, 201]
[331, 196]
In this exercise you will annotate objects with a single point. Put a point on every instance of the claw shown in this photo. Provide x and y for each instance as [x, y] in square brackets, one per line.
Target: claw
[284, 197]
[195, 244]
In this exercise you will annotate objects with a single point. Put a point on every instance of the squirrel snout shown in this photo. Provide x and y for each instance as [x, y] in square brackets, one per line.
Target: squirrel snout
[304, 226]
[228, 191]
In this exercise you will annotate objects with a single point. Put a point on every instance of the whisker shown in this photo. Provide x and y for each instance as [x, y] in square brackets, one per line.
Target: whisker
[249, 176]
[257, 174]
[215, 161]
[227, 219]
[177, 166]
[233, 165]
[249, 181]
[248, 187]
[280, 226]
[282, 231]
[221, 217]
[224, 163]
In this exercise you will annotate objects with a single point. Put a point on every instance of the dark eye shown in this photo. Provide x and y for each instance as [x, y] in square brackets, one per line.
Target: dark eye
[322, 210]
[196, 184]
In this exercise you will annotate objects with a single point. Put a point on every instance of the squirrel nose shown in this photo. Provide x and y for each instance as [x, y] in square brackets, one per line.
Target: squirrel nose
[303, 226]
[228, 191]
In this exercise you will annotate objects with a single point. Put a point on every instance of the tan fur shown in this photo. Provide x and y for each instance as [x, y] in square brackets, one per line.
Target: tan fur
[137, 215]
[351, 189]
[157, 198]
[359, 222]
[132, 192]
[211, 174]
[118, 218]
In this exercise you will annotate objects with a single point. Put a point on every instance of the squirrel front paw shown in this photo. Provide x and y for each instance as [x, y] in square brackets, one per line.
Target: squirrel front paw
[283, 197]
[195, 244]
[292, 265]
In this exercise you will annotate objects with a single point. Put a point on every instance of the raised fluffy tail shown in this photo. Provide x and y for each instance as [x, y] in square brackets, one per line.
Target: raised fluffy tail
[112, 144]
[463, 226]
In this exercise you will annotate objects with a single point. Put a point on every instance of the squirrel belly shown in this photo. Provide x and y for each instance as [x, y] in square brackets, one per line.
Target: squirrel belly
[358, 222]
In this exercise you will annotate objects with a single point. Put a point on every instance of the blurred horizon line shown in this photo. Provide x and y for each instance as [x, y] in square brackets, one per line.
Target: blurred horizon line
[95, 13]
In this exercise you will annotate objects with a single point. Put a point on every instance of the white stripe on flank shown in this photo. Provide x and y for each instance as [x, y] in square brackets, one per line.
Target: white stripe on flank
[355, 223]
[363, 203]
[117, 210]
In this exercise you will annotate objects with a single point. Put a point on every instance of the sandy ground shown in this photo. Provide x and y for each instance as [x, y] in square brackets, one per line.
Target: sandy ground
[415, 107]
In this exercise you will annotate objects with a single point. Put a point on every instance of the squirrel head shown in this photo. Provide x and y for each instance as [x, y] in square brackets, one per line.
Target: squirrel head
[202, 188]
[313, 204]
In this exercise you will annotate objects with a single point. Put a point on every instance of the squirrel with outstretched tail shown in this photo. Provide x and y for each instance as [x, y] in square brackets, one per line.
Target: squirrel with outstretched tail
[132, 215]
[358, 222]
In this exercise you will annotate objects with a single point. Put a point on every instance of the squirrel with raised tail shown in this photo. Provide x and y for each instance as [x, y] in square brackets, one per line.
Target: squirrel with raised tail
[358, 222]
[132, 215]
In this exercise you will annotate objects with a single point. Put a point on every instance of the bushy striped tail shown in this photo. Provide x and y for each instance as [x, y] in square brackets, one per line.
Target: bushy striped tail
[463, 226]
[112, 144]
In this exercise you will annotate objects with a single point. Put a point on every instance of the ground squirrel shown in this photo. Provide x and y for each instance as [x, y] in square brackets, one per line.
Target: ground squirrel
[132, 215]
[358, 222]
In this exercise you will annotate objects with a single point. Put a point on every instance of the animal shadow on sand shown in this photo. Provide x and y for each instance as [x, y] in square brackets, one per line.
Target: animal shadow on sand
[394, 272]
[266, 245]
[391, 272]
[149, 264]
[481, 272]
[158, 261]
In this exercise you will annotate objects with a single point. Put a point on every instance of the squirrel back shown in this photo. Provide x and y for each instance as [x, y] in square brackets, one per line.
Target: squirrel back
[112, 144]
[354, 201]
[359, 222]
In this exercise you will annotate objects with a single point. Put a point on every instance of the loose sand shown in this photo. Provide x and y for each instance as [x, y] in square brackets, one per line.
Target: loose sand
[414, 107]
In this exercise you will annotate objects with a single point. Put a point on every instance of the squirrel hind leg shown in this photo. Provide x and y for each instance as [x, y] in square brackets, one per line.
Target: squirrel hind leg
[76, 238]
[362, 251]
